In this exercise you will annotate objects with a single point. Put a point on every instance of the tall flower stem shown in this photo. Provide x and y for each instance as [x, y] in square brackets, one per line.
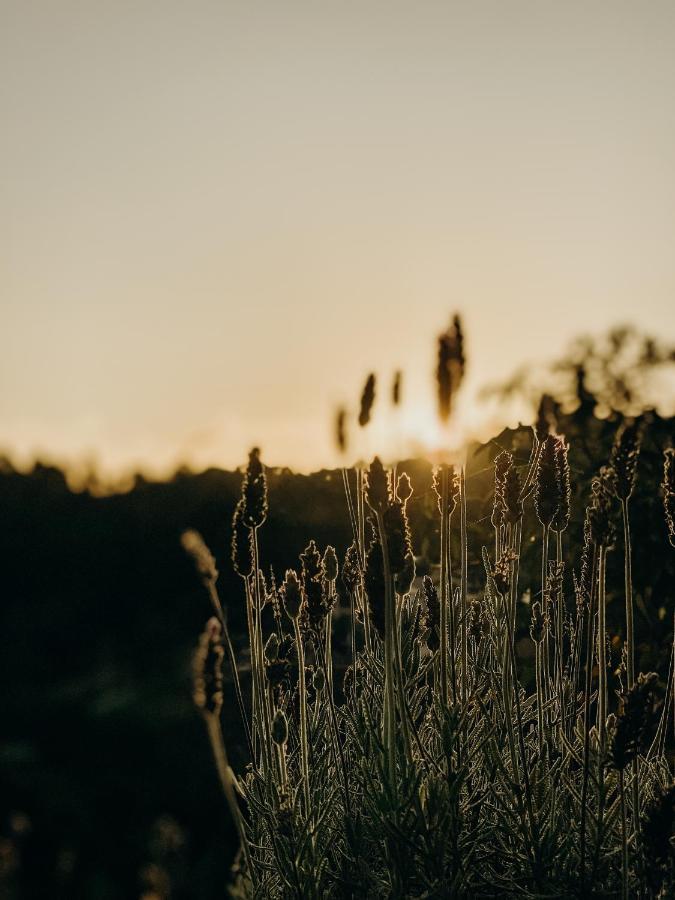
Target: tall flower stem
[444, 588]
[602, 704]
[254, 667]
[389, 720]
[540, 694]
[361, 520]
[560, 632]
[587, 714]
[630, 639]
[452, 619]
[263, 709]
[624, 839]
[302, 689]
[350, 505]
[259, 712]
[545, 610]
[602, 646]
[329, 651]
[464, 586]
[630, 650]
[401, 684]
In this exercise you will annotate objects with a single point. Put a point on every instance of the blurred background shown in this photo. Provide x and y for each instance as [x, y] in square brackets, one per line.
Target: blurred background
[216, 219]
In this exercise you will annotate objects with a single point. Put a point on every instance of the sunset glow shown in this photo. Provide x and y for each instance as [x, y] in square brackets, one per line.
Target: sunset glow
[216, 221]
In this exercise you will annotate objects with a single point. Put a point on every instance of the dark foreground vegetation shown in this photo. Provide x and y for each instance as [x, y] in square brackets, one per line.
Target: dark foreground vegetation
[107, 781]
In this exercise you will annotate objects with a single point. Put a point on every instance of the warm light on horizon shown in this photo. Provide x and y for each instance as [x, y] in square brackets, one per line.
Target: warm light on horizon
[217, 220]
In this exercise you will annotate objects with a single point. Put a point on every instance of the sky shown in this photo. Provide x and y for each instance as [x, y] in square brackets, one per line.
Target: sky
[216, 218]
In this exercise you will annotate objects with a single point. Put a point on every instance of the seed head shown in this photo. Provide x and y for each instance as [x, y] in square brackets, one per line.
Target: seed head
[242, 543]
[310, 559]
[378, 490]
[451, 367]
[555, 578]
[207, 669]
[397, 530]
[546, 420]
[351, 569]
[374, 585]
[276, 670]
[396, 388]
[562, 471]
[602, 530]
[404, 488]
[318, 680]
[503, 462]
[341, 430]
[292, 594]
[632, 720]
[432, 619]
[538, 623]
[502, 571]
[513, 505]
[202, 557]
[624, 458]
[584, 585]
[312, 582]
[367, 400]
[279, 728]
[274, 598]
[330, 564]
[476, 620]
[453, 488]
[254, 491]
[668, 486]
[546, 496]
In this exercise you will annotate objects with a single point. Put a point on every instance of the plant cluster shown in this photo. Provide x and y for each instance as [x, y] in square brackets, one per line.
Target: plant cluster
[427, 767]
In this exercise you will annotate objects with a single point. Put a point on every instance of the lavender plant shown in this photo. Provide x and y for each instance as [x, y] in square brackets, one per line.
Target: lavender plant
[425, 765]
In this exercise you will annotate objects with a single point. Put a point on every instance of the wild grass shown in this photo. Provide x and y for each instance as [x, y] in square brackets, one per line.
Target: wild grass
[429, 767]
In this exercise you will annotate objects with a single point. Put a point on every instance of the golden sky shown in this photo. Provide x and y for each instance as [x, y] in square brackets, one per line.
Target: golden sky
[216, 217]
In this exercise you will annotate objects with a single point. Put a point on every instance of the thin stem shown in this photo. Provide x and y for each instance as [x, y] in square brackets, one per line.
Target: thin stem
[630, 652]
[444, 588]
[624, 839]
[254, 676]
[545, 610]
[389, 719]
[302, 688]
[329, 651]
[630, 639]
[350, 505]
[352, 625]
[602, 647]
[587, 715]
[265, 724]
[540, 695]
[360, 509]
[452, 620]
[464, 586]
[560, 631]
